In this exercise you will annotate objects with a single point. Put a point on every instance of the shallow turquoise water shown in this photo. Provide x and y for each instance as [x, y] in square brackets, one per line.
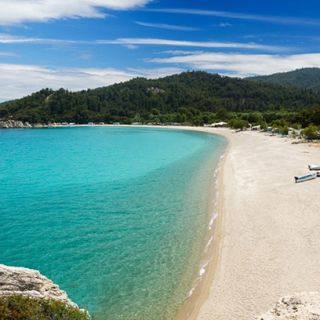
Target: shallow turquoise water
[116, 216]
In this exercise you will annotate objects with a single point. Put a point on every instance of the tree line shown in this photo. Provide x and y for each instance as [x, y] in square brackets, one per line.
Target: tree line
[194, 98]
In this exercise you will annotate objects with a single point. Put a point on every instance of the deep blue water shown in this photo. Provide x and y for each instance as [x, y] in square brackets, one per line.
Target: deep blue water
[116, 216]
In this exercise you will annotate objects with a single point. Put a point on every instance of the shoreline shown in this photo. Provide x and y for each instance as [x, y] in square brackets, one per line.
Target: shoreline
[266, 237]
[192, 305]
[270, 228]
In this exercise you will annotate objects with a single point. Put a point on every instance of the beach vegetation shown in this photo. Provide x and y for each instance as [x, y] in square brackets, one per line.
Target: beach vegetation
[284, 130]
[19, 307]
[238, 124]
[311, 132]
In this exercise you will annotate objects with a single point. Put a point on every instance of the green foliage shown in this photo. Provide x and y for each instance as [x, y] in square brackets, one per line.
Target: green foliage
[311, 132]
[24, 308]
[189, 98]
[238, 124]
[308, 78]
[222, 114]
[284, 130]
[255, 118]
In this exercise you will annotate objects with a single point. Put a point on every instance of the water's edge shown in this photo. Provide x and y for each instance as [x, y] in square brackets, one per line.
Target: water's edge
[211, 252]
[192, 305]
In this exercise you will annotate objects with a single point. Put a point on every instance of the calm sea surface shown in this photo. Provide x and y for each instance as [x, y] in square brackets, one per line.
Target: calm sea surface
[116, 216]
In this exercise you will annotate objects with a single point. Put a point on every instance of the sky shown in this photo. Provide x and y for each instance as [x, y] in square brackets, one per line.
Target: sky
[80, 44]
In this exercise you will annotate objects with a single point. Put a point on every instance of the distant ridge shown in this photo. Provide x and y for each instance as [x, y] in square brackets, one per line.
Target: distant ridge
[308, 78]
[190, 97]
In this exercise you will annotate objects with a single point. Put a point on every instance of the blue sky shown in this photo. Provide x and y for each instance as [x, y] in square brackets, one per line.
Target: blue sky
[79, 44]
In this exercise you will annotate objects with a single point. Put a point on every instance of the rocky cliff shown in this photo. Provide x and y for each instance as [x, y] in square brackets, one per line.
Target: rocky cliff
[304, 306]
[27, 282]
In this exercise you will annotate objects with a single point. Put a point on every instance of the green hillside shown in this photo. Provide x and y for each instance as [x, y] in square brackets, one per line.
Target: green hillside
[308, 78]
[192, 97]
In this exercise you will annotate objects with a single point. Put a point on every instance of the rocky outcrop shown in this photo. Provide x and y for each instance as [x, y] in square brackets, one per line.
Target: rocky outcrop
[27, 282]
[304, 306]
[7, 124]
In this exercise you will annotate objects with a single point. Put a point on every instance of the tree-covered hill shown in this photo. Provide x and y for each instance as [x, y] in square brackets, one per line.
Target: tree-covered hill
[308, 78]
[193, 97]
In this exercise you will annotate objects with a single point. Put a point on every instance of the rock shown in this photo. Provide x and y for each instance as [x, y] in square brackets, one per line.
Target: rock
[38, 125]
[7, 124]
[303, 306]
[27, 282]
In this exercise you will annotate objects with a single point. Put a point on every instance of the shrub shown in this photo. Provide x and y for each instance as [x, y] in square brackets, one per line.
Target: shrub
[24, 308]
[284, 130]
[311, 132]
[238, 123]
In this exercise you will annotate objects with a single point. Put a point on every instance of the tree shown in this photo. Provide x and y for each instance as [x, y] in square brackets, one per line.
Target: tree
[183, 98]
[222, 114]
[237, 123]
[311, 132]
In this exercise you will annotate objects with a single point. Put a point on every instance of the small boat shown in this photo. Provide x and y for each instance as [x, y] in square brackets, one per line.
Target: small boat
[307, 177]
[314, 167]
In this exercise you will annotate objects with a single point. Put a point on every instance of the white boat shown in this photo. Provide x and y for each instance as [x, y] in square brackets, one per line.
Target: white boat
[307, 177]
[314, 167]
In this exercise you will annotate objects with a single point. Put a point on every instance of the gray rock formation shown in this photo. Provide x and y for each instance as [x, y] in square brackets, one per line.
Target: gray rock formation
[7, 124]
[29, 283]
[304, 306]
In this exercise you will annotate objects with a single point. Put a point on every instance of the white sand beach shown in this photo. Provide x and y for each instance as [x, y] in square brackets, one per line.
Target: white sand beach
[269, 229]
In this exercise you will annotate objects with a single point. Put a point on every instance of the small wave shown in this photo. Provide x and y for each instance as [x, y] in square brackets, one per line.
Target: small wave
[209, 243]
[216, 173]
[191, 291]
[214, 217]
[203, 269]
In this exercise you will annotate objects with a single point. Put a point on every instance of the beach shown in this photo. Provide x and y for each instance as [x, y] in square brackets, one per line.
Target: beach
[264, 235]
[267, 236]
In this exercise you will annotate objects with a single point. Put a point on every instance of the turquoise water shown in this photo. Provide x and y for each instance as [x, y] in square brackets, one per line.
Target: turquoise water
[117, 217]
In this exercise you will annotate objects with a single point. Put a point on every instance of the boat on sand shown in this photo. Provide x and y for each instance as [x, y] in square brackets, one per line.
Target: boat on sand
[307, 177]
[314, 167]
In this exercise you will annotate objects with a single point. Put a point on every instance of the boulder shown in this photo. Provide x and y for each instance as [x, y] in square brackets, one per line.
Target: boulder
[28, 282]
[303, 306]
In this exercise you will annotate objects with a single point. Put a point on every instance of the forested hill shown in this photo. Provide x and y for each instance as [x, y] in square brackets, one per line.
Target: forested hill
[308, 78]
[194, 97]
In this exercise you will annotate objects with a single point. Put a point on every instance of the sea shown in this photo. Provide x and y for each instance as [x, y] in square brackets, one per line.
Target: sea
[118, 217]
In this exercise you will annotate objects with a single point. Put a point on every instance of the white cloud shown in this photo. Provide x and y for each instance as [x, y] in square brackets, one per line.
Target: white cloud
[165, 26]
[185, 43]
[242, 64]
[180, 52]
[132, 43]
[12, 39]
[19, 11]
[20, 80]
[156, 72]
[241, 16]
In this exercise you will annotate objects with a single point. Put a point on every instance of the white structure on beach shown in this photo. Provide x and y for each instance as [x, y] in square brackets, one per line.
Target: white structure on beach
[218, 125]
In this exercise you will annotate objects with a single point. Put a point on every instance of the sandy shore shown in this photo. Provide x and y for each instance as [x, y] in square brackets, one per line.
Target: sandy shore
[269, 231]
